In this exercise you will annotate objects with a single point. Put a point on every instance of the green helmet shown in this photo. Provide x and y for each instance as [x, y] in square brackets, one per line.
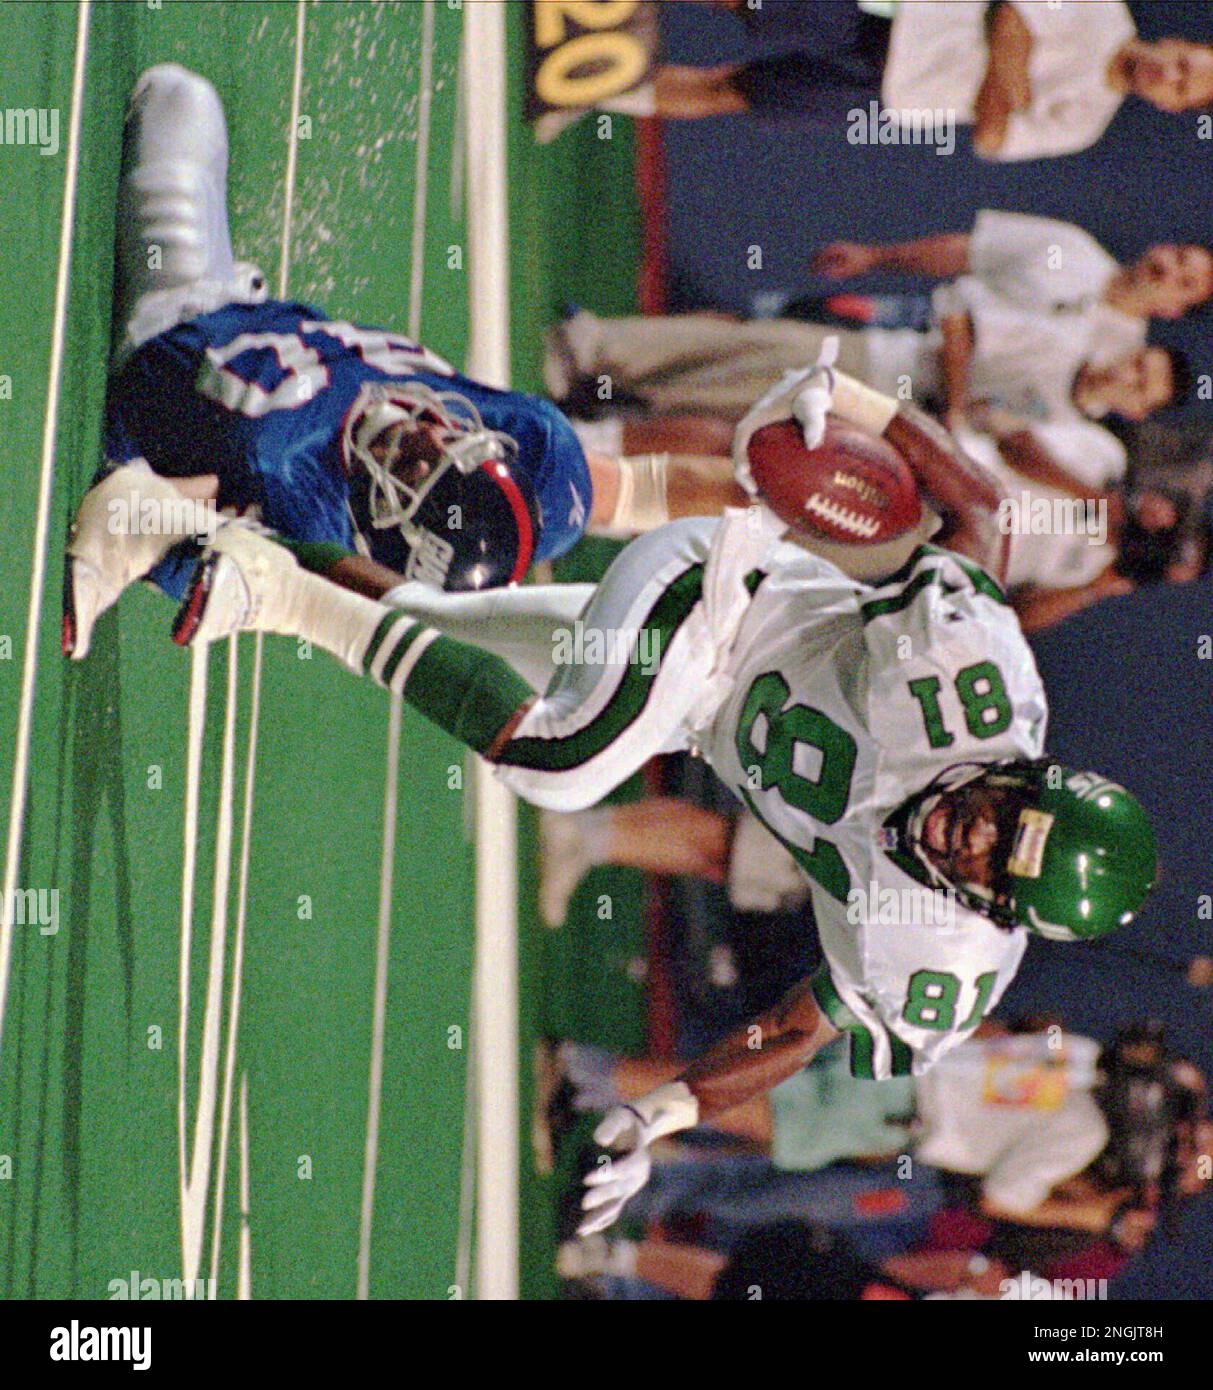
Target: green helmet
[1084, 859]
[1080, 856]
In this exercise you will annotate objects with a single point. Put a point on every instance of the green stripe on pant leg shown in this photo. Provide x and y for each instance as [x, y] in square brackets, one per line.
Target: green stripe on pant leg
[631, 697]
[469, 693]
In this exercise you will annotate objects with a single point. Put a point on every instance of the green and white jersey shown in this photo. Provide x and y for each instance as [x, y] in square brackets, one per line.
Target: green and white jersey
[846, 700]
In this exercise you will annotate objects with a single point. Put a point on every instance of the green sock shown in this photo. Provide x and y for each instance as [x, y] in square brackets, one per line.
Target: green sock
[469, 693]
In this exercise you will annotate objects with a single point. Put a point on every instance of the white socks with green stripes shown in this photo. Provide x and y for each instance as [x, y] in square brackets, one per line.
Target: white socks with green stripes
[364, 635]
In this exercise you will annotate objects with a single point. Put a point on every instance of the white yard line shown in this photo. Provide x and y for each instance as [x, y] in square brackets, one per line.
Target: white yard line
[383, 937]
[233, 1025]
[250, 777]
[195, 727]
[244, 1282]
[50, 427]
[387, 867]
[194, 1214]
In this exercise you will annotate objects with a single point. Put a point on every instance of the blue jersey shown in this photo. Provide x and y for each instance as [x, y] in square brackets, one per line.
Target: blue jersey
[259, 393]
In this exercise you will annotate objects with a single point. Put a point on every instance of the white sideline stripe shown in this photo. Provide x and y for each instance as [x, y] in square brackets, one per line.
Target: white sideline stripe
[195, 726]
[495, 989]
[467, 1170]
[387, 867]
[421, 179]
[245, 1268]
[50, 427]
[194, 1215]
[292, 151]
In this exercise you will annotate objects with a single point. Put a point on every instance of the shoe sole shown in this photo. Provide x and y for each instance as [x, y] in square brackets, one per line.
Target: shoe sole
[67, 635]
[193, 609]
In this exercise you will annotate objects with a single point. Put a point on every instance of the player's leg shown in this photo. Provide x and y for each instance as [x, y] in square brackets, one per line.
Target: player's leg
[172, 226]
[633, 669]
[697, 363]
[633, 666]
[524, 626]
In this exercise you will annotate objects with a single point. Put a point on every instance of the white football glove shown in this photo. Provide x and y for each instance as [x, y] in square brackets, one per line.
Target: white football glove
[805, 394]
[634, 1127]
[812, 402]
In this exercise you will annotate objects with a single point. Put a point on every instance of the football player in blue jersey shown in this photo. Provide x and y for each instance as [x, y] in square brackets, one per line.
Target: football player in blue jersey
[366, 452]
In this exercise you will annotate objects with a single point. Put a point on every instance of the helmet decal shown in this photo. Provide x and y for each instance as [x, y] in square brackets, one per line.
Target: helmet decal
[1028, 853]
[443, 500]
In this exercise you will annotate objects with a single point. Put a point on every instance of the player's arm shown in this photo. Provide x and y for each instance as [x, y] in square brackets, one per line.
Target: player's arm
[358, 573]
[768, 1050]
[1006, 87]
[1031, 460]
[967, 495]
[760, 1054]
[1038, 609]
[955, 357]
[643, 492]
[940, 257]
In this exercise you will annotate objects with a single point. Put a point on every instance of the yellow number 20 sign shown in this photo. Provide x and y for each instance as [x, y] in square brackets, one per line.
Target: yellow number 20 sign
[586, 51]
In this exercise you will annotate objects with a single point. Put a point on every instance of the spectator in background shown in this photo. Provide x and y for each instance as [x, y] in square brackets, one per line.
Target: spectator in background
[1033, 79]
[1053, 1153]
[1121, 537]
[1042, 264]
[982, 349]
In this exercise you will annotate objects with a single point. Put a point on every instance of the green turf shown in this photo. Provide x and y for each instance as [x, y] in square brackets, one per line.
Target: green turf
[88, 1071]
[89, 1107]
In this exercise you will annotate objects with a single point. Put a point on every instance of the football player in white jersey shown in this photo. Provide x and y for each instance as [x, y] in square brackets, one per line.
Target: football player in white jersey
[889, 734]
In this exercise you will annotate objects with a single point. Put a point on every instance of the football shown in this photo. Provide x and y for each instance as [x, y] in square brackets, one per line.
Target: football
[854, 487]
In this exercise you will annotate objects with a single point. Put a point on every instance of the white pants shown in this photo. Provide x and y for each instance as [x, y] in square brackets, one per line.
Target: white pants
[523, 626]
[174, 251]
[630, 675]
[638, 669]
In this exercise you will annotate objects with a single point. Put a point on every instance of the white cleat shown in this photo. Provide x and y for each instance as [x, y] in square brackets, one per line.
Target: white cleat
[123, 528]
[86, 596]
[237, 587]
